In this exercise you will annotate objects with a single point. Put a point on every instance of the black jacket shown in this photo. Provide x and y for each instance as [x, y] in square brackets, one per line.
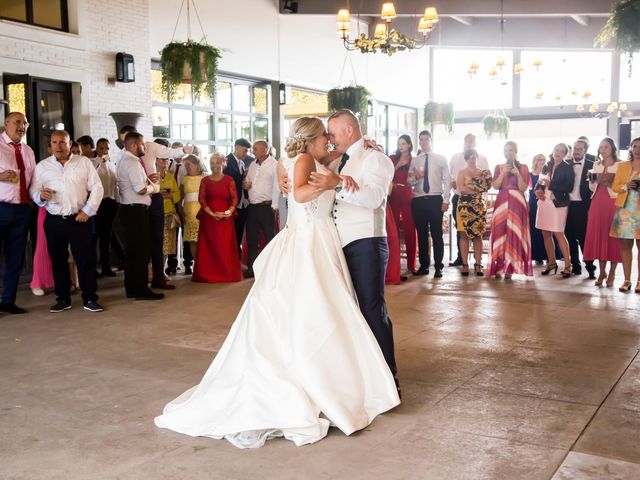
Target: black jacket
[585, 192]
[562, 183]
[233, 171]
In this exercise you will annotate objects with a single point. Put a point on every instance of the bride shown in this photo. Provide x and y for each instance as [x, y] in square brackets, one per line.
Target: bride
[299, 357]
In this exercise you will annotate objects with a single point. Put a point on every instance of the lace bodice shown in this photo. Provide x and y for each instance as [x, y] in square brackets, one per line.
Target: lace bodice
[306, 213]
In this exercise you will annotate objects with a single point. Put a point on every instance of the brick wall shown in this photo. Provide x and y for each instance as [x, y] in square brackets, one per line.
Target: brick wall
[87, 59]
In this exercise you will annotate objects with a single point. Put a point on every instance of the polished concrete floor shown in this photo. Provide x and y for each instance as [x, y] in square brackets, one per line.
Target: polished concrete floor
[522, 379]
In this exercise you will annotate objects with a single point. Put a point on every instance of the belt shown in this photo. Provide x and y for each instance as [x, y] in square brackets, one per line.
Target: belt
[70, 216]
[428, 197]
[266, 202]
[137, 205]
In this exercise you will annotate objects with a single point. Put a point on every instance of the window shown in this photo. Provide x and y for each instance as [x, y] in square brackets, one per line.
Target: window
[564, 77]
[391, 121]
[43, 13]
[240, 109]
[481, 91]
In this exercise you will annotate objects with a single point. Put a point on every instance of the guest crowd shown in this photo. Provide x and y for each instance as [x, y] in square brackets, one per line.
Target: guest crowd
[128, 211]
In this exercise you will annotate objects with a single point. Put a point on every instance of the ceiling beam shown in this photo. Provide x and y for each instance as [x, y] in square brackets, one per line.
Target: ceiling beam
[582, 20]
[468, 21]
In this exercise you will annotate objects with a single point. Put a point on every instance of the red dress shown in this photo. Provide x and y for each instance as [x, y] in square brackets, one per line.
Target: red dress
[217, 258]
[392, 276]
[400, 202]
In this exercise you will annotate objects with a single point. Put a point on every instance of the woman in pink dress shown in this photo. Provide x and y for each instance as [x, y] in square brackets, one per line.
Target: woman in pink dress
[510, 243]
[598, 244]
[217, 258]
[42, 270]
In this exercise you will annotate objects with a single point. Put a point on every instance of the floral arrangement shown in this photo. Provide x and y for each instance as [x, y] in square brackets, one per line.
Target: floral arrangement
[395, 42]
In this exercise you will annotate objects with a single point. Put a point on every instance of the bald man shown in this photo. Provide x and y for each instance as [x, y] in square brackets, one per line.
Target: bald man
[17, 164]
[261, 176]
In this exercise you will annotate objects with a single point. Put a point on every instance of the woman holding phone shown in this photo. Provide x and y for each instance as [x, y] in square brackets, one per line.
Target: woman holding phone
[510, 243]
[626, 220]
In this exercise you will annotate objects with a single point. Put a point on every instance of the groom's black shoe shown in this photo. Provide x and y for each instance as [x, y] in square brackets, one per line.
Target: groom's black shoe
[422, 271]
[395, 379]
[438, 273]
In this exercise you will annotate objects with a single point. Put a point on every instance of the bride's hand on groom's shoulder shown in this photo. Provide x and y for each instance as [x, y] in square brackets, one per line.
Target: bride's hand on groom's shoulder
[370, 144]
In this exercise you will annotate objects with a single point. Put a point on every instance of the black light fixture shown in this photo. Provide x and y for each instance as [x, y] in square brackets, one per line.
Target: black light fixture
[282, 91]
[125, 67]
[289, 6]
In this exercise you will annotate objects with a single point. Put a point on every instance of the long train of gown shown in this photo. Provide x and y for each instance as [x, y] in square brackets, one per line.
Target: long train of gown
[299, 355]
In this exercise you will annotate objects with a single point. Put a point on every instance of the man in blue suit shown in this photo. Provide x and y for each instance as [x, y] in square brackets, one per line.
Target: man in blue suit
[237, 164]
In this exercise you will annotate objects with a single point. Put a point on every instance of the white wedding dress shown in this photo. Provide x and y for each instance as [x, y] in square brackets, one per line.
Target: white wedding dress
[299, 357]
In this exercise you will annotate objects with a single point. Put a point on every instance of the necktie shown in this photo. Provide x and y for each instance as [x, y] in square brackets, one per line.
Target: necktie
[23, 174]
[425, 185]
[343, 162]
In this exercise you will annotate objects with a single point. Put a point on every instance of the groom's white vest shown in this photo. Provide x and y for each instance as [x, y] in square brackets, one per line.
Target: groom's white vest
[353, 221]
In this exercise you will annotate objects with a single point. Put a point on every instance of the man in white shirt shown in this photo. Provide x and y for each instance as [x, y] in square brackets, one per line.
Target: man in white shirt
[456, 164]
[259, 181]
[108, 208]
[429, 175]
[17, 164]
[70, 189]
[135, 189]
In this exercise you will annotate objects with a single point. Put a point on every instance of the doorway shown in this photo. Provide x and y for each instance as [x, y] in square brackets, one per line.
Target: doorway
[47, 104]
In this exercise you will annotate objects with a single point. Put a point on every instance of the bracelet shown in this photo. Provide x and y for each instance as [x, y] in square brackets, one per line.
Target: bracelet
[227, 212]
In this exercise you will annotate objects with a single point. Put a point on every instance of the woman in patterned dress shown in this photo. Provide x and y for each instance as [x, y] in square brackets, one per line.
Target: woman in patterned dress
[189, 192]
[471, 214]
[626, 220]
[510, 243]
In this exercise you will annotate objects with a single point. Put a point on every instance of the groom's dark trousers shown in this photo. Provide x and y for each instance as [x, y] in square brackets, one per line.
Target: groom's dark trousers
[367, 260]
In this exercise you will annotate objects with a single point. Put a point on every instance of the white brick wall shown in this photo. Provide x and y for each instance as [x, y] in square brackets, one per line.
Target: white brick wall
[87, 59]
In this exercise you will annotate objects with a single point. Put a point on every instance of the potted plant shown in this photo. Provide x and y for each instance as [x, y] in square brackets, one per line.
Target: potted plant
[190, 62]
[354, 98]
[496, 123]
[624, 26]
[441, 113]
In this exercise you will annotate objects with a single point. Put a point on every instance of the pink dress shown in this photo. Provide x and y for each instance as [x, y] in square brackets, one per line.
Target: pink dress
[598, 244]
[42, 269]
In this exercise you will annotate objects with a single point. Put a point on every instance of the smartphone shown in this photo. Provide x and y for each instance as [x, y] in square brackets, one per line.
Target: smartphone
[593, 177]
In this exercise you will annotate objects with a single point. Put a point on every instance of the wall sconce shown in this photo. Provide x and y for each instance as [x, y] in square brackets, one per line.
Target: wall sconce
[283, 92]
[125, 68]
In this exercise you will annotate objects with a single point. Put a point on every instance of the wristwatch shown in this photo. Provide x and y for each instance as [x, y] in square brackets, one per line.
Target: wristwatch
[338, 188]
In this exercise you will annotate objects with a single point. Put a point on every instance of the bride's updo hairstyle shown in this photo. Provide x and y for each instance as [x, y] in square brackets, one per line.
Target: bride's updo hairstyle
[301, 133]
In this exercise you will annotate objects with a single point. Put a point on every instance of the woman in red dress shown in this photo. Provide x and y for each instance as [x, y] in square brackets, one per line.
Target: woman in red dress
[217, 258]
[392, 276]
[400, 199]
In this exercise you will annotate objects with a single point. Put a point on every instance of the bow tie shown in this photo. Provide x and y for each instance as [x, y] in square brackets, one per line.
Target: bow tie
[576, 162]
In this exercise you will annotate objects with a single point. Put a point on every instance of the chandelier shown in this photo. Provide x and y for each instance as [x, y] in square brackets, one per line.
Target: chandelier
[386, 39]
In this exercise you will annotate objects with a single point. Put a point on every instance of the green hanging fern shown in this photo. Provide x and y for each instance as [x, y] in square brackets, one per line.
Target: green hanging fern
[435, 112]
[496, 123]
[355, 98]
[200, 59]
[624, 26]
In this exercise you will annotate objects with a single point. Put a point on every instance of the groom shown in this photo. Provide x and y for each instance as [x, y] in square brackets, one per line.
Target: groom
[361, 184]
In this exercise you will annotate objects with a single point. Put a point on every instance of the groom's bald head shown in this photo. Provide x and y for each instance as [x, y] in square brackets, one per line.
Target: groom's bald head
[344, 130]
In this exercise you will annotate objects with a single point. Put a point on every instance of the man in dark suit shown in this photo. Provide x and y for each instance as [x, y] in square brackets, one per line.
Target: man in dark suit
[587, 155]
[237, 164]
[576, 226]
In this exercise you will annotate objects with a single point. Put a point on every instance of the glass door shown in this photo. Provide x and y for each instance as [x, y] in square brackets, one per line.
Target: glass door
[53, 112]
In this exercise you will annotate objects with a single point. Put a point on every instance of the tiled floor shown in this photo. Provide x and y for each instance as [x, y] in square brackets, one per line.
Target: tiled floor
[522, 379]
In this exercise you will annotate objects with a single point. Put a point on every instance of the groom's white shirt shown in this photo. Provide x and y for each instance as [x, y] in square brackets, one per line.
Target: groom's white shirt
[361, 214]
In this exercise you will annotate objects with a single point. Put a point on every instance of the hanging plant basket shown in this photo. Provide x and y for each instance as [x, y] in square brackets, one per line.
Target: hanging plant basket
[439, 113]
[496, 123]
[189, 62]
[355, 98]
[624, 26]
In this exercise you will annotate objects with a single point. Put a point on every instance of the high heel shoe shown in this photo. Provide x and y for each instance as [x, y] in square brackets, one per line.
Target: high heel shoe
[465, 270]
[611, 279]
[601, 278]
[637, 289]
[547, 271]
[625, 287]
[566, 273]
[478, 269]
